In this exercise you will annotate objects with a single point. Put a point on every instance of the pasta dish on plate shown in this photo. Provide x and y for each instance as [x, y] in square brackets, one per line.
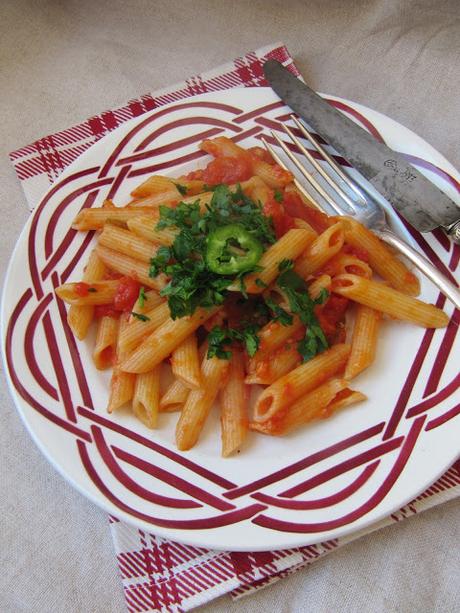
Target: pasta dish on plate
[229, 281]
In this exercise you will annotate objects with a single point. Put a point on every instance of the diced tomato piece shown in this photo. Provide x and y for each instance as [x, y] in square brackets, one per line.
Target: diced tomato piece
[82, 289]
[105, 310]
[227, 170]
[282, 222]
[295, 207]
[127, 293]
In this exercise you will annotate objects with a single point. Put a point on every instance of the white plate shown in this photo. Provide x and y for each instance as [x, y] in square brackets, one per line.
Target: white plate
[319, 483]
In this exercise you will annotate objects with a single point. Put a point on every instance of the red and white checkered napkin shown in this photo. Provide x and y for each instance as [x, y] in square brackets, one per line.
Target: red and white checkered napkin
[161, 575]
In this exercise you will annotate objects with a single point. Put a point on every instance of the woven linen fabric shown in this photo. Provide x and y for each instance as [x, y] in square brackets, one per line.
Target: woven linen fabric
[157, 574]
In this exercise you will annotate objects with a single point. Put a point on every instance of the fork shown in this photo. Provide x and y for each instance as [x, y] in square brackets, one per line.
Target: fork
[360, 206]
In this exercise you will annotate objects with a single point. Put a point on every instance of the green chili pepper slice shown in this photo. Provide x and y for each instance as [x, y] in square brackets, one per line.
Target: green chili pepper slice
[232, 249]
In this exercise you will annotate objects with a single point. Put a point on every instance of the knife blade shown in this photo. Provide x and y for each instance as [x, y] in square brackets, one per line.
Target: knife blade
[419, 201]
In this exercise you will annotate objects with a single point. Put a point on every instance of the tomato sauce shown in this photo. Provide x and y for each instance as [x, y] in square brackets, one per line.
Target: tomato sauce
[282, 222]
[227, 170]
[295, 207]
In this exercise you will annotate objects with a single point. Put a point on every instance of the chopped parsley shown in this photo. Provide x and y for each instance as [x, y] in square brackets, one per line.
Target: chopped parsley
[300, 303]
[284, 318]
[181, 188]
[140, 316]
[220, 338]
[141, 298]
[192, 284]
[278, 196]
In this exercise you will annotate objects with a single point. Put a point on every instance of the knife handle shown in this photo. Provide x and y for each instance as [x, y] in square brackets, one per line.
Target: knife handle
[424, 265]
[454, 232]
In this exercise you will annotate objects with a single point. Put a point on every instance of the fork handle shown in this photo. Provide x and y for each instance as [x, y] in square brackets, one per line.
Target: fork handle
[424, 265]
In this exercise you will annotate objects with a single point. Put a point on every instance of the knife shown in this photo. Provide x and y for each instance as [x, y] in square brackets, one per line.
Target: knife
[413, 195]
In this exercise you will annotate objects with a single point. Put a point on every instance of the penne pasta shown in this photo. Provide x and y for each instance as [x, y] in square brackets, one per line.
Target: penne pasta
[319, 403]
[199, 403]
[106, 342]
[130, 267]
[364, 340]
[270, 368]
[274, 334]
[97, 292]
[94, 219]
[146, 227]
[126, 242]
[145, 303]
[139, 329]
[174, 397]
[156, 347]
[146, 396]
[156, 184]
[299, 381]
[79, 317]
[122, 383]
[272, 313]
[233, 407]
[185, 363]
[322, 249]
[381, 259]
[390, 301]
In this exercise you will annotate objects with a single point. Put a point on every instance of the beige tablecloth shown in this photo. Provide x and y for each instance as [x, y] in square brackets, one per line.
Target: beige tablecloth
[61, 62]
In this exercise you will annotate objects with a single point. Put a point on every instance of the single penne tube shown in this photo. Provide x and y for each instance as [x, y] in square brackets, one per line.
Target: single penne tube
[343, 400]
[146, 396]
[288, 247]
[199, 402]
[316, 404]
[81, 293]
[233, 406]
[156, 347]
[121, 383]
[106, 342]
[347, 263]
[299, 381]
[322, 249]
[130, 267]
[145, 227]
[273, 175]
[390, 301]
[174, 397]
[79, 317]
[273, 366]
[167, 198]
[274, 334]
[94, 219]
[185, 363]
[128, 243]
[156, 184]
[381, 258]
[139, 329]
[364, 340]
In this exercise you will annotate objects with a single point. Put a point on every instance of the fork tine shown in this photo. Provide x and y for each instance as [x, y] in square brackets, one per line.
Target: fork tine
[328, 158]
[299, 186]
[313, 182]
[329, 180]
